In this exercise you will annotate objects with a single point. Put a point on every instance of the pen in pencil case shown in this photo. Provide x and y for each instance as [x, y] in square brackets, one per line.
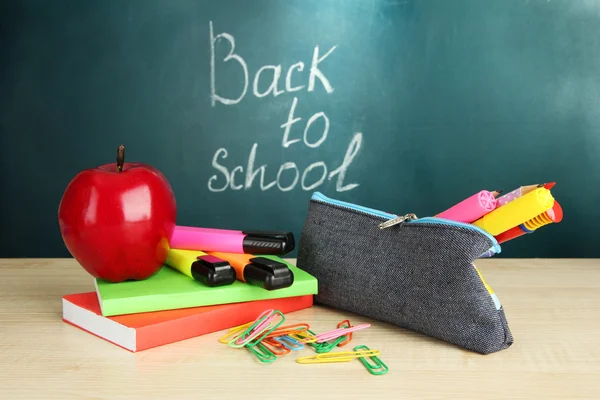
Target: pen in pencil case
[521, 191]
[554, 215]
[210, 270]
[258, 271]
[516, 212]
[231, 241]
[471, 208]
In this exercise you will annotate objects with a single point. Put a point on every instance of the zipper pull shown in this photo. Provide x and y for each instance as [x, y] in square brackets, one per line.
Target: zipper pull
[398, 220]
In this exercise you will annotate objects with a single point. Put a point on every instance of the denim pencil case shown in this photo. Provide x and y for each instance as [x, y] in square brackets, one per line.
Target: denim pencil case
[417, 274]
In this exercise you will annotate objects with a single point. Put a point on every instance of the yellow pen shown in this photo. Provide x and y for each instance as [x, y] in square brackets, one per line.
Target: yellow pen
[516, 212]
[210, 270]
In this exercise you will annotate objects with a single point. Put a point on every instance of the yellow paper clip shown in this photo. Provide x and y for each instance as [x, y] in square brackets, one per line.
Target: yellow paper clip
[343, 356]
[237, 328]
[304, 336]
[233, 331]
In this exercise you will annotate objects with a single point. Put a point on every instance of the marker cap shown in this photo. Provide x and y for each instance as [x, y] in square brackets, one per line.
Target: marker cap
[268, 242]
[213, 271]
[269, 274]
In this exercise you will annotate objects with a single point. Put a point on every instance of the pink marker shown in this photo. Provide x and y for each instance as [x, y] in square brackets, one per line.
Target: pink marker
[231, 241]
[471, 209]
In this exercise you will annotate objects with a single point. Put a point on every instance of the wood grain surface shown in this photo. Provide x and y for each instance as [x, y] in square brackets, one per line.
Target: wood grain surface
[552, 308]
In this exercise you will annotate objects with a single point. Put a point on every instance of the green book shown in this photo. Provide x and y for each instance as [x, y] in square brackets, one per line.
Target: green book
[169, 289]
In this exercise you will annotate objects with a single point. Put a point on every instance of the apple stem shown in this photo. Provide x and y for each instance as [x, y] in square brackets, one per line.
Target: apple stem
[120, 157]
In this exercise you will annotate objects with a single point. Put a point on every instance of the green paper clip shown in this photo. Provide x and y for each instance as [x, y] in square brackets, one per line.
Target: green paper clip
[378, 368]
[326, 347]
[268, 331]
[251, 336]
[263, 354]
[301, 336]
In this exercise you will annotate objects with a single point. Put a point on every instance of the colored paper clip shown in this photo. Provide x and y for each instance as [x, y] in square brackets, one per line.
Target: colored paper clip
[336, 357]
[263, 326]
[276, 348]
[262, 352]
[326, 347]
[233, 331]
[306, 336]
[309, 338]
[255, 329]
[288, 330]
[323, 337]
[289, 342]
[258, 330]
[348, 338]
[377, 368]
[237, 328]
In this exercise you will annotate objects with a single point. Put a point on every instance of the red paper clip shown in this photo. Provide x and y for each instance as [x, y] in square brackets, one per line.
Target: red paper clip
[345, 324]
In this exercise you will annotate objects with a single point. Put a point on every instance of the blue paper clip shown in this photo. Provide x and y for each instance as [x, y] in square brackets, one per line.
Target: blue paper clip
[289, 343]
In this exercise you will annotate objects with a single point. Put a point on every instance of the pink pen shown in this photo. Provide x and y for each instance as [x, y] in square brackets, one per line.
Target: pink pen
[471, 209]
[232, 241]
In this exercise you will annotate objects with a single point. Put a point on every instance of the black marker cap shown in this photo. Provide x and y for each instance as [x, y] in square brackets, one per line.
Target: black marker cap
[267, 242]
[213, 271]
[267, 273]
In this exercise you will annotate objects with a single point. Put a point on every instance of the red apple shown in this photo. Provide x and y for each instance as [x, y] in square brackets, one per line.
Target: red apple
[117, 219]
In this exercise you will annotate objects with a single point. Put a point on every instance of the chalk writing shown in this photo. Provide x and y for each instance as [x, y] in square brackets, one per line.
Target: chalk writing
[226, 178]
[266, 82]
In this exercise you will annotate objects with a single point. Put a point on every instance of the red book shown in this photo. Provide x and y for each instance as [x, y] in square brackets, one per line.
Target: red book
[137, 332]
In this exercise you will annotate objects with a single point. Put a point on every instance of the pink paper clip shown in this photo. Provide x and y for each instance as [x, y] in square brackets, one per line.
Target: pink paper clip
[336, 333]
[259, 328]
[263, 325]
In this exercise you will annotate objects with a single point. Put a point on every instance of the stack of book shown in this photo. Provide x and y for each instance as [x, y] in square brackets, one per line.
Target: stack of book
[171, 305]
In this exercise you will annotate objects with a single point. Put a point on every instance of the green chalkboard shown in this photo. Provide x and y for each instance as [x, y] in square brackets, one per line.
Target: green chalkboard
[249, 106]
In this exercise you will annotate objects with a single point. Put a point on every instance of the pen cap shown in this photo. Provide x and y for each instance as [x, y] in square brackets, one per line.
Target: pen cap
[516, 212]
[554, 214]
[213, 271]
[268, 273]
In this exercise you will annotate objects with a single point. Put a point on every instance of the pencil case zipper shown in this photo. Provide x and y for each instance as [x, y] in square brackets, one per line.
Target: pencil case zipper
[317, 196]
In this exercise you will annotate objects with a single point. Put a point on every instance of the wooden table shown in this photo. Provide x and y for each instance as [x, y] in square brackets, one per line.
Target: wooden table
[552, 307]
